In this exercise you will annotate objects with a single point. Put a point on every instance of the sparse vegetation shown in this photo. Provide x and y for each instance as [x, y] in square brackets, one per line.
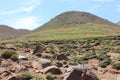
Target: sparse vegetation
[50, 76]
[8, 54]
[103, 56]
[104, 63]
[82, 42]
[116, 65]
[14, 57]
[25, 75]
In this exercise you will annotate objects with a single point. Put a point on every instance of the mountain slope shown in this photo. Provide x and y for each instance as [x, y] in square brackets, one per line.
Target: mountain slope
[72, 18]
[73, 25]
[7, 32]
[118, 23]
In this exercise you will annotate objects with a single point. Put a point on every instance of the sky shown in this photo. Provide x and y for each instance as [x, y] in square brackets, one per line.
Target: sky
[31, 14]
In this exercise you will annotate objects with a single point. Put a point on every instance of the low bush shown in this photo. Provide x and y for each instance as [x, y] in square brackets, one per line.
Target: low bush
[58, 64]
[25, 76]
[8, 54]
[82, 60]
[50, 76]
[38, 54]
[104, 63]
[14, 57]
[116, 65]
[103, 56]
[90, 55]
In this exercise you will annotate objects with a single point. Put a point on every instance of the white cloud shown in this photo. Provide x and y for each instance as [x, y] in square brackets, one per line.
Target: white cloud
[103, 0]
[30, 22]
[19, 10]
[25, 6]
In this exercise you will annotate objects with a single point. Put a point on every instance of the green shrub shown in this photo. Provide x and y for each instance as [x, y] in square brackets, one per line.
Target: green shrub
[8, 54]
[116, 65]
[90, 56]
[82, 60]
[37, 76]
[58, 64]
[103, 56]
[50, 76]
[25, 76]
[14, 57]
[38, 54]
[104, 63]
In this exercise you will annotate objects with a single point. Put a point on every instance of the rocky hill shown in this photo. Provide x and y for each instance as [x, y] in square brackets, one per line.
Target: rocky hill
[7, 32]
[73, 18]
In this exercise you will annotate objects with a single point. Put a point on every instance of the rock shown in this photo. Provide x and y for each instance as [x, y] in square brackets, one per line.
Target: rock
[12, 48]
[27, 51]
[118, 77]
[7, 63]
[5, 73]
[53, 70]
[62, 57]
[1, 47]
[37, 49]
[45, 62]
[80, 72]
[22, 57]
[14, 77]
[20, 69]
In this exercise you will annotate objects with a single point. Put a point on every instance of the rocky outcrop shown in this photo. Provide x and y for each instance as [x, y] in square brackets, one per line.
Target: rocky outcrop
[80, 72]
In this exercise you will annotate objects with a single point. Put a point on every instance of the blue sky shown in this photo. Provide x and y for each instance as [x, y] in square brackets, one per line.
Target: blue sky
[30, 14]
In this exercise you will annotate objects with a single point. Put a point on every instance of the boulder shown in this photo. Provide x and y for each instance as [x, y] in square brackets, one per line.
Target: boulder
[45, 62]
[62, 57]
[53, 70]
[38, 49]
[80, 72]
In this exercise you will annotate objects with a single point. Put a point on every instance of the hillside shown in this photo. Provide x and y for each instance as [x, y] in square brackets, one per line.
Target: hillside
[73, 25]
[7, 32]
[118, 23]
[73, 18]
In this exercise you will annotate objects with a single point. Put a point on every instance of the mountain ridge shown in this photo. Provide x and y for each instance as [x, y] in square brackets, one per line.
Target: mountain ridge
[7, 32]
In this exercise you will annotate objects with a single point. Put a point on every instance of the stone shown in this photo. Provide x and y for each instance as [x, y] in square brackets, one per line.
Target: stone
[13, 77]
[45, 62]
[62, 57]
[38, 49]
[79, 72]
[22, 57]
[53, 70]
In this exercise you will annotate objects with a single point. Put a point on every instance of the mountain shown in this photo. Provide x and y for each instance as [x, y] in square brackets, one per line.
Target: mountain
[72, 18]
[118, 23]
[73, 25]
[7, 32]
